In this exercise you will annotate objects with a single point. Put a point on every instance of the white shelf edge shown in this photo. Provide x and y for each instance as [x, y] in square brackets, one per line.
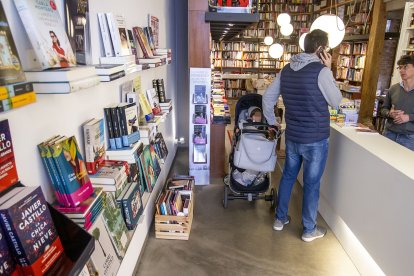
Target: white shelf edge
[137, 241]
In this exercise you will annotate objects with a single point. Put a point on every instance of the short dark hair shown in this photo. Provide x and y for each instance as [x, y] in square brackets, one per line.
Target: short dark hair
[315, 39]
[406, 59]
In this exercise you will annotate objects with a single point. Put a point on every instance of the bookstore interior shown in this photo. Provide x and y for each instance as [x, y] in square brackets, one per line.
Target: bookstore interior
[96, 98]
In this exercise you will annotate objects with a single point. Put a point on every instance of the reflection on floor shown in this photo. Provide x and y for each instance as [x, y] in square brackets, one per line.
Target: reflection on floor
[240, 240]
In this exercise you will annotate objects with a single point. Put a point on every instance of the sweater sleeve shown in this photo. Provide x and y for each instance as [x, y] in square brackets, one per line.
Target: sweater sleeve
[269, 100]
[327, 85]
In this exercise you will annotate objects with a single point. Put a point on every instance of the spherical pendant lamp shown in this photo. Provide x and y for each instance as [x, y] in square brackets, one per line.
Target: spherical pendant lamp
[302, 41]
[286, 30]
[283, 19]
[331, 24]
[268, 40]
[276, 50]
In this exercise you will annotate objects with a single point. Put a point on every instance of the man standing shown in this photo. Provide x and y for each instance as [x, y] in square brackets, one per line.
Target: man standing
[307, 87]
[398, 106]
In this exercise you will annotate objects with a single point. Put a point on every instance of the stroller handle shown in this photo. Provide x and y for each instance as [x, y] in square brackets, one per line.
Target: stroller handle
[254, 131]
[255, 124]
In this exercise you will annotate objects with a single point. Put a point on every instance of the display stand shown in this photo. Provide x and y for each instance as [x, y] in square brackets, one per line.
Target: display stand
[199, 135]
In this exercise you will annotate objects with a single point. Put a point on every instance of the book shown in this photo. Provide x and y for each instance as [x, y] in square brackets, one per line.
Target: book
[66, 87]
[132, 205]
[46, 33]
[8, 171]
[129, 123]
[7, 263]
[150, 172]
[128, 60]
[152, 97]
[61, 74]
[124, 152]
[145, 107]
[78, 29]
[84, 208]
[133, 45]
[115, 225]
[111, 172]
[155, 161]
[111, 77]
[24, 99]
[94, 141]
[159, 83]
[72, 170]
[5, 105]
[200, 95]
[109, 128]
[104, 258]
[200, 136]
[15, 89]
[10, 67]
[116, 125]
[139, 36]
[154, 23]
[119, 37]
[30, 231]
[200, 114]
[108, 69]
[108, 51]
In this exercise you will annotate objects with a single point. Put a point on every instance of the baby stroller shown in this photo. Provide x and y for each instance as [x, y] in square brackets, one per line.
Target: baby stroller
[250, 150]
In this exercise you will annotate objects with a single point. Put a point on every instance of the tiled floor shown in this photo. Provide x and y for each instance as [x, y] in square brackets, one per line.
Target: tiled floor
[240, 240]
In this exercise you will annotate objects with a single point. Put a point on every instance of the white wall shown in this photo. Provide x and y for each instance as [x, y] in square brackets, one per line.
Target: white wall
[63, 114]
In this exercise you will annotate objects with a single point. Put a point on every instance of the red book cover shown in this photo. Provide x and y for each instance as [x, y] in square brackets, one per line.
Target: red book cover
[8, 172]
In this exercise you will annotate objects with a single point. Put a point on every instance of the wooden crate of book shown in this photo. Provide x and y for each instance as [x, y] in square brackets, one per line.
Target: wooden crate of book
[177, 226]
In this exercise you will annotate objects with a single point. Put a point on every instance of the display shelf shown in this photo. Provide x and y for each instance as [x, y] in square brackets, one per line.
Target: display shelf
[140, 233]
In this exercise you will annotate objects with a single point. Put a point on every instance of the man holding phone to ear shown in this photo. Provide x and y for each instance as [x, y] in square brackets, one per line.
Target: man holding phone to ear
[307, 87]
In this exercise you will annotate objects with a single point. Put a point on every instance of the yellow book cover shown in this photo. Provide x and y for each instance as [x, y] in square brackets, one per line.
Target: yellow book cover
[4, 94]
[24, 99]
[145, 106]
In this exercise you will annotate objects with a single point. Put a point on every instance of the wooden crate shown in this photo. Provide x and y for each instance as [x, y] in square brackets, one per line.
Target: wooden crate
[165, 229]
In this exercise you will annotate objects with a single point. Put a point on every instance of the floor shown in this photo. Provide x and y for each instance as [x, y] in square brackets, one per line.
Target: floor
[240, 240]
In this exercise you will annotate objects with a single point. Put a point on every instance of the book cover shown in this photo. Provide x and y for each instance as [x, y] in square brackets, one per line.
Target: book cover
[94, 140]
[133, 45]
[46, 33]
[154, 23]
[129, 123]
[107, 49]
[200, 95]
[7, 264]
[121, 24]
[145, 107]
[8, 171]
[200, 114]
[103, 259]
[77, 28]
[15, 89]
[115, 225]
[132, 206]
[22, 100]
[29, 228]
[84, 207]
[143, 42]
[160, 90]
[11, 70]
[200, 136]
[72, 170]
[117, 30]
[148, 165]
[111, 172]
[155, 161]
[109, 128]
[153, 101]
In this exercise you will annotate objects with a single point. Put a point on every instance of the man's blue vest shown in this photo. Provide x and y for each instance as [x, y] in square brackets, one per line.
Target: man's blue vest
[307, 114]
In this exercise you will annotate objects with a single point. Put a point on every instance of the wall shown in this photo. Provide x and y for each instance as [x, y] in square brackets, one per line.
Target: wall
[387, 64]
[63, 114]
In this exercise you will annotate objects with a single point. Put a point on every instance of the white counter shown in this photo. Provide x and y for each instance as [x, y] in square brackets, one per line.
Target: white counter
[367, 198]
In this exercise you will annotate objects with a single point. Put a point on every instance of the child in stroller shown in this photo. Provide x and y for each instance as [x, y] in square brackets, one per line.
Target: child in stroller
[253, 154]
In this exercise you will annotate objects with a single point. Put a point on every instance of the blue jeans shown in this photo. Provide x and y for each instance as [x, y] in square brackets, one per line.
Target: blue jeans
[406, 140]
[314, 157]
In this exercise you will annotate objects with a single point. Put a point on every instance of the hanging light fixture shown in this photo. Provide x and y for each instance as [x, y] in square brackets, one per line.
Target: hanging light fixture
[333, 25]
[276, 50]
[268, 40]
[283, 19]
[286, 30]
[302, 41]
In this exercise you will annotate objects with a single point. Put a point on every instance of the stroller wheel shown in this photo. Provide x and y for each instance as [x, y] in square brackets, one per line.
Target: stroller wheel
[274, 198]
[225, 199]
[226, 180]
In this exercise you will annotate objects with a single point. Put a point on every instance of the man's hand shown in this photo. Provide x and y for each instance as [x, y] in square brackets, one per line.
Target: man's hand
[326, 59]
[401, 118]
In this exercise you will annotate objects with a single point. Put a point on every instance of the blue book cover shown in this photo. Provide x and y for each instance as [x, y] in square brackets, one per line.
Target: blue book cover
[7, 264]
[132, 206]
[72, 170]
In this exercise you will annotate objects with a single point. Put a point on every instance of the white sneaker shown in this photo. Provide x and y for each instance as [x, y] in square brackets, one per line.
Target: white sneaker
[318, 233]
[278, 224]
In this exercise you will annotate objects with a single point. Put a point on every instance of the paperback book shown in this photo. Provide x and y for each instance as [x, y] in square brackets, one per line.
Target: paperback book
[119, 37]
[153, 101]
[77, 28]
[8, 171]
[107, 48]
[94, 140]
[7, 263]
[30, 231]
[154, 23]
[150, 172]
[128, 118]
[132, 206]
[10, 67]
[46, 33]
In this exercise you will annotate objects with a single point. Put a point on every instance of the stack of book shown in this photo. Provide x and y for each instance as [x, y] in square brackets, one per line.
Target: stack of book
[165, 104]
[147, 133]
[220, 110]
[14, 90]
[66, 169]
[87, 212]
[122, 125]
[175, 200]
[63, 80]
[160, 147]
[94, 142]
[110, 72]
[28, 228]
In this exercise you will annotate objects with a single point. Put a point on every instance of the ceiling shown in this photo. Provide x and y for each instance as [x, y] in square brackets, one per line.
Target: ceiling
[228, 25]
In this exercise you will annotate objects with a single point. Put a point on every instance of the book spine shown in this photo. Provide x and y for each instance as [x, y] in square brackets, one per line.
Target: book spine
[140, 41]
[127, 213]
[161, 90]
[19, 89]
[106, 40]
[22, 100]
[116, 128]
[113, 30]
[13, 239]
[113, 76]
[84, 83]
[123, 125]
[109, 126]
[57, 176]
